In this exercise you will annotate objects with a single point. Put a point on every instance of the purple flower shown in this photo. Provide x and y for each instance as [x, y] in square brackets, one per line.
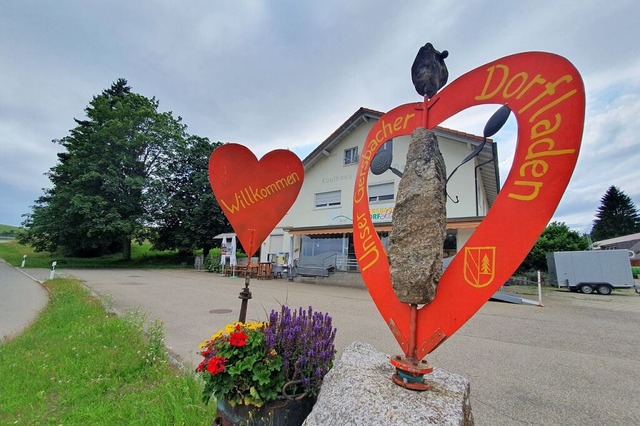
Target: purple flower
[304, 339]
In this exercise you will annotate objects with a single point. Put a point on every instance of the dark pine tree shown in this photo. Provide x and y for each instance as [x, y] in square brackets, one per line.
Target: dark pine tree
[616, 216]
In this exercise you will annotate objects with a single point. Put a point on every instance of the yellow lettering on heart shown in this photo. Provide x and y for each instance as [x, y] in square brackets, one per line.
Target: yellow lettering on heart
[502, 86]
[249, 195]
[386, 132]
[369, 249]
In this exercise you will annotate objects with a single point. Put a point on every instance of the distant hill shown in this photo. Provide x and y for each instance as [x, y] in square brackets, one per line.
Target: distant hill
[8, 231]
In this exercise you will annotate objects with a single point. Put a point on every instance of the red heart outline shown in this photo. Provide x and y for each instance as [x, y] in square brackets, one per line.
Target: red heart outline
[537, 86]
[254, 195]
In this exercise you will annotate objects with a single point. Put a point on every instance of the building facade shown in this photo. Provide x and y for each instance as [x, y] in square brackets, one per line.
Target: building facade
[628, 242]
[317, 230]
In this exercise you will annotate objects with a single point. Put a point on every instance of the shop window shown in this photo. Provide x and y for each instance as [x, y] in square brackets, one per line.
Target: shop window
[328, 199]
[351, 156]
[320, 245]
[381, 192]
[451, 243]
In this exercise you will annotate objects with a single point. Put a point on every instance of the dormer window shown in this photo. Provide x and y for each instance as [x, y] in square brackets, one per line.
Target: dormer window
[351, 156]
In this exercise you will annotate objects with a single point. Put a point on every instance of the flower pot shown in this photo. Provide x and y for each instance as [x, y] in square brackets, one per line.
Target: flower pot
[281, 412]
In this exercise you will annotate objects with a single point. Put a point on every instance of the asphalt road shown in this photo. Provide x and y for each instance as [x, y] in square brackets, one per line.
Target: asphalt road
[575, 361]
[21, 299]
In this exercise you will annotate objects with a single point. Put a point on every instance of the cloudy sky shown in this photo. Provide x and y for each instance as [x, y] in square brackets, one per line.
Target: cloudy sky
[285, 74]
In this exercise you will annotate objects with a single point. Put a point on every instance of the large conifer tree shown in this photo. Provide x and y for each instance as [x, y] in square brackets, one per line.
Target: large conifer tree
[616, 216]
[97, 201]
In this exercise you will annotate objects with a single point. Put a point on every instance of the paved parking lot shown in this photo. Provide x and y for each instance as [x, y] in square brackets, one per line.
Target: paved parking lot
[575, 361]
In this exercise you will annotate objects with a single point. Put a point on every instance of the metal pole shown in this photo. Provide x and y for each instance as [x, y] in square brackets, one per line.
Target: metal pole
[539, 289]
[245, 294]
[413, 331]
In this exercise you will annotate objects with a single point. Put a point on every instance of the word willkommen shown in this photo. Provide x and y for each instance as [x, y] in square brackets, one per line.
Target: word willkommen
[248, 196]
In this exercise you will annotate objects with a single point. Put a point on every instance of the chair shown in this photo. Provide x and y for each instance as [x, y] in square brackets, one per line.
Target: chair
[264, 271]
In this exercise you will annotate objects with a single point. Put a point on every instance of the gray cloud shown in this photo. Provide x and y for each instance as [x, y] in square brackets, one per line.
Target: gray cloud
[286, 74]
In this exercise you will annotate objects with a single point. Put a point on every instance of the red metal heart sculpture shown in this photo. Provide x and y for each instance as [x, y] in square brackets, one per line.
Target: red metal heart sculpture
[254, 195]
[546, 94]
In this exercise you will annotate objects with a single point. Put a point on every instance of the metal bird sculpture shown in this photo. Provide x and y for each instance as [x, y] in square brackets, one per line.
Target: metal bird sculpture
[429, 72]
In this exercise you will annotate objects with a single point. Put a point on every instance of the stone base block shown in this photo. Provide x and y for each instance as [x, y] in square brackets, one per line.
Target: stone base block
[359, 391]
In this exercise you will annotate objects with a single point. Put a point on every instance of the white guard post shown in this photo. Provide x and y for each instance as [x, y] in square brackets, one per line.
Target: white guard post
[539, 289]
[52, 275]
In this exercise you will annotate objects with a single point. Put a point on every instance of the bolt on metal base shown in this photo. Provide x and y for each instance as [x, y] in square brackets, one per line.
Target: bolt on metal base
[410, 373]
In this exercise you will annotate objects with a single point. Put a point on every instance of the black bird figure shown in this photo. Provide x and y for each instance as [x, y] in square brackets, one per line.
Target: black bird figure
[429, 72]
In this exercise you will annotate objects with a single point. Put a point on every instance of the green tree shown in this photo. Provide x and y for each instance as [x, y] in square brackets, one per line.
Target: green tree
[97, 203]
[186, 213]
[556, 237]
[616, 216]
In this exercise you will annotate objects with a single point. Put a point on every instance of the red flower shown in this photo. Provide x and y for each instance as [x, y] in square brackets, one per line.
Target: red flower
[216, 365]
[201, 366]
[238, 339]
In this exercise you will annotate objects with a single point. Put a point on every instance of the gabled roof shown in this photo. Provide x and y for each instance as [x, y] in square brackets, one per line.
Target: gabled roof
[359, 117]
[489, 173]
[618, 240]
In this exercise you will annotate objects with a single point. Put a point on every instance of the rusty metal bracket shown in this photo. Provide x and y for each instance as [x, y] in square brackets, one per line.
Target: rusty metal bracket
[398, 335]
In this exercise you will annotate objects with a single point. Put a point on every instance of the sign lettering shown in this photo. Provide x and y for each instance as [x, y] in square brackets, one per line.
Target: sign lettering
[545, 93]
[254, 195]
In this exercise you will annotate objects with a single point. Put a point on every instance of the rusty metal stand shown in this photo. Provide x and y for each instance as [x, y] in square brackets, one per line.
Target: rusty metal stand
[409, 370]
[245, 295]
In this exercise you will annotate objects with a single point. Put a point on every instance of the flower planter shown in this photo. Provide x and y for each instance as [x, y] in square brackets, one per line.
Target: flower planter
[281, 412]
[282, 362]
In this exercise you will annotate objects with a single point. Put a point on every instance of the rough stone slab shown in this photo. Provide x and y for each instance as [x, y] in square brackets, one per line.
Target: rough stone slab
[359, 391]
[419, 222]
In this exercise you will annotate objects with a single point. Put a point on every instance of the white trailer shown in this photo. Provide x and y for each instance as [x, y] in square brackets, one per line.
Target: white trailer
[590, 271]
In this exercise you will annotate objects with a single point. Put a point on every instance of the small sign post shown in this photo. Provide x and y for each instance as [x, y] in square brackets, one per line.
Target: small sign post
[52, 275]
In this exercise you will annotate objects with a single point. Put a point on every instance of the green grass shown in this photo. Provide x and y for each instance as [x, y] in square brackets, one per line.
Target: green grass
[79, 365]
[141, 257]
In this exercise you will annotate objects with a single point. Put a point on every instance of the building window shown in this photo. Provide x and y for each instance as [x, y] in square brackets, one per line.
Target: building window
[351, 156]
[316, 248]
[328, 199]
[381, 192]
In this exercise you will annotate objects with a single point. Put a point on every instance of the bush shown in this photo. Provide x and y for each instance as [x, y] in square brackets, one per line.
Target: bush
[212, 262]
[635, 270]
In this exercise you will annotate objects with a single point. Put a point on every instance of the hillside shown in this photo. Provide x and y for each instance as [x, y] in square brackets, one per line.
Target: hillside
[8, 231]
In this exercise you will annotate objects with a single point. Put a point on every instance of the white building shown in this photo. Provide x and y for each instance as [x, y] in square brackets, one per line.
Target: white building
[629, 242]
[317, 229]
